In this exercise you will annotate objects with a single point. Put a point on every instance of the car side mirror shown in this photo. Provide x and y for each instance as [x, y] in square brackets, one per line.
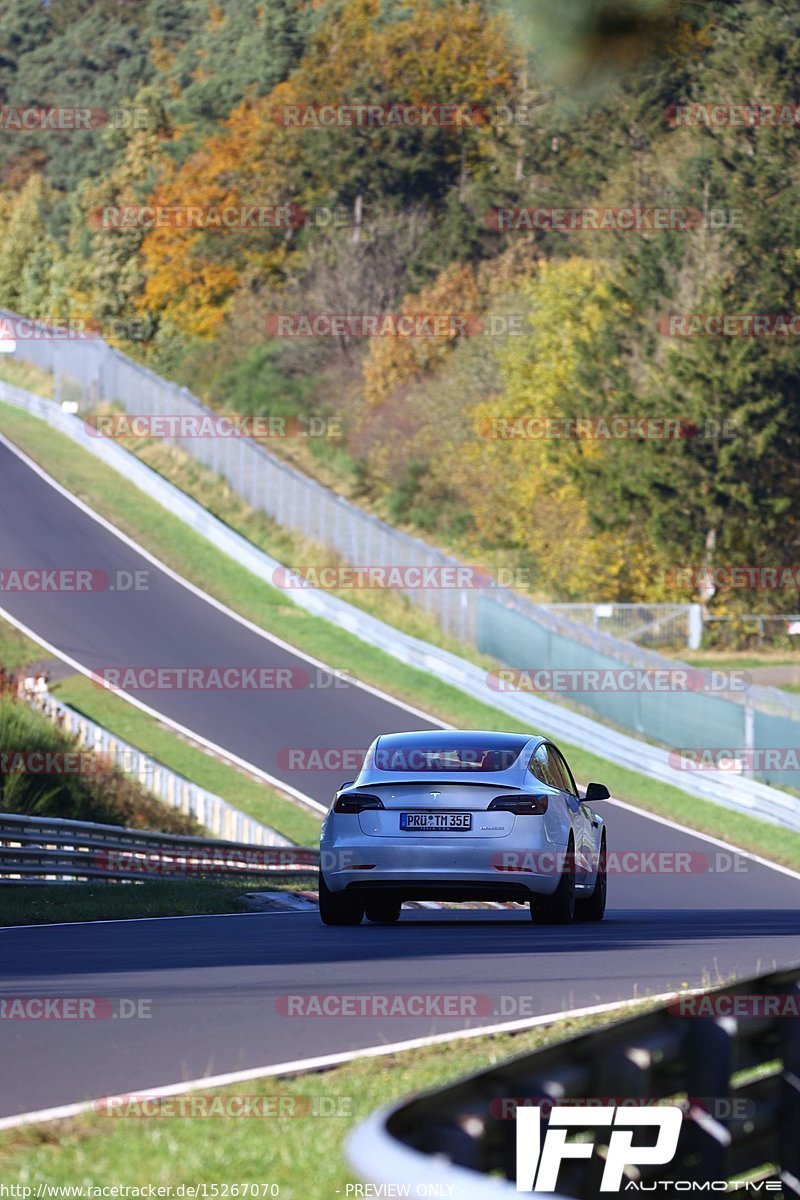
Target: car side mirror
[595, 792]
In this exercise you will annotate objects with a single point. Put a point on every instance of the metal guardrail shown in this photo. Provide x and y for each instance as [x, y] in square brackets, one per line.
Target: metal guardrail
[736, 792]
[41, 850]
[211, 811]
[736, 1080]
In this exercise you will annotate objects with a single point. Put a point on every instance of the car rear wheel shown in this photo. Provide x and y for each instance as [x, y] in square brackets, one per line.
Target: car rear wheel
[558, 909]
[594, 908]
[382, 911]
[338, 908]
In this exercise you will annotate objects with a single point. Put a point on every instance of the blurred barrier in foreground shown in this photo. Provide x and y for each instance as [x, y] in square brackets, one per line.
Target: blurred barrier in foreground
[735, 1077]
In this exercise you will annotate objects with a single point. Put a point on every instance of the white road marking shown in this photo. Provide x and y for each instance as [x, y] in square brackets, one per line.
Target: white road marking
[325, 1061]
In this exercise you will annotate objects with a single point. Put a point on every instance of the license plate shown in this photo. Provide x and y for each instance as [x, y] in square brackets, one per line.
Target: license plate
[435, 822]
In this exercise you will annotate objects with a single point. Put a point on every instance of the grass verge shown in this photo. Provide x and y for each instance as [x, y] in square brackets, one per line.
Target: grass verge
[250, 795]
[301, 1154]
[17, 650]
[26, 375]
[57, 785]
[744, 660]
[116, 901]
[196, 559]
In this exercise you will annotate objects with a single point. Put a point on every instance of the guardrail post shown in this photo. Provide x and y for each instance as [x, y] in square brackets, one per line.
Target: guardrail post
[749, 739]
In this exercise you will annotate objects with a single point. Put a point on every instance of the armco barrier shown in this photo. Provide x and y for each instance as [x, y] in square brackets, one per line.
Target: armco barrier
[736, 1081]
[40, 850]
[211, 811]
[495, 620]
[733, 791]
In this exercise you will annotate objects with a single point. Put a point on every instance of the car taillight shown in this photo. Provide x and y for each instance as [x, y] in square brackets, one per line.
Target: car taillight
[523, 806]
[356, 802]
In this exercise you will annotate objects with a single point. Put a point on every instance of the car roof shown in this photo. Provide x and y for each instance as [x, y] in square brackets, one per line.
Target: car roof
[489, 739]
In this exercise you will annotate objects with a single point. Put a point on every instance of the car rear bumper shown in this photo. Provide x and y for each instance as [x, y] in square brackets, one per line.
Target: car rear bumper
[443, 889]
[477, 868]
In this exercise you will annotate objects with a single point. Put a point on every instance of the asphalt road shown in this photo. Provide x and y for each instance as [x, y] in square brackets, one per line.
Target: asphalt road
[212, 985]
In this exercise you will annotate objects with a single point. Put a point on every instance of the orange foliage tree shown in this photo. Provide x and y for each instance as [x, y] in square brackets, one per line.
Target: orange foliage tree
[422, 53]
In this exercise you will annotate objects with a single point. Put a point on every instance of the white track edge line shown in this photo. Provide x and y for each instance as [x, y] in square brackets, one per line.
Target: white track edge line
[267, 912]
[322, 1062]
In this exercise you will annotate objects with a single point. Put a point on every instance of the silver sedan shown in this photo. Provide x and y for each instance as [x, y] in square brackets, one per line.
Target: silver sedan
[463, 815]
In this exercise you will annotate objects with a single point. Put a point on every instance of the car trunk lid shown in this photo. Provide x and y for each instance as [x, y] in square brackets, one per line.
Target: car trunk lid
[428, 801]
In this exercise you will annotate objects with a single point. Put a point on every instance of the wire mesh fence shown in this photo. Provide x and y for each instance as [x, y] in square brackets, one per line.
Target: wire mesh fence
[645, 624]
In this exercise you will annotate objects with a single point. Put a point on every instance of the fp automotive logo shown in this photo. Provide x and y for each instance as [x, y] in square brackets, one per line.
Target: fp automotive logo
[538, 1165]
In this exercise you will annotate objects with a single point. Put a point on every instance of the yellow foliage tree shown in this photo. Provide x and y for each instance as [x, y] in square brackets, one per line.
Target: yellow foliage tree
[526, 491]
[27, 252]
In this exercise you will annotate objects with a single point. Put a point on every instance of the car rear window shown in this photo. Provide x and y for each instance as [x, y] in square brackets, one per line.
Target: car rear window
[471, 758]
